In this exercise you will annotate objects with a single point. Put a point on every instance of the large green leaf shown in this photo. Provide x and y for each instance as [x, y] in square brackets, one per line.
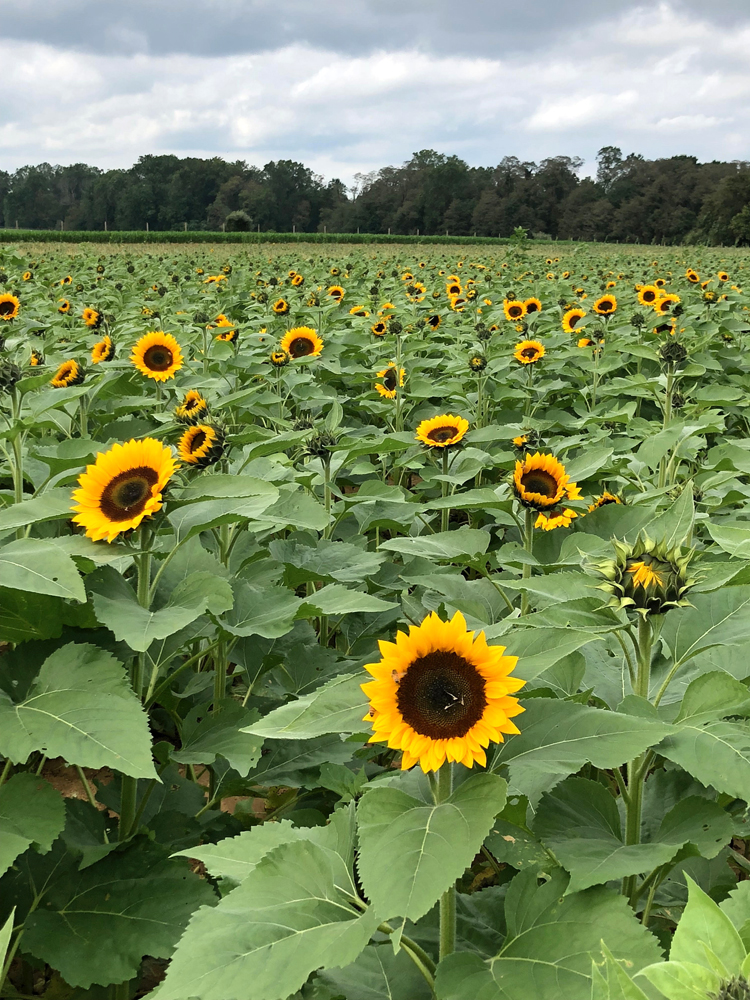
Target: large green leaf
[206, 735]
[235, 857]
[732, 538]
[335, 599]
[117, 607]
[717, 754]
[558, 737]
[287, 918]
[337, 707]
[269, 612]
[711, 696]
[341, 561]
[538, 649]
[721, 617]
[31, 812]
[704, 925]
[411, 851]
[193, 518]
[445, 545]
[49, 506]
[40, 566]
[80, 707]
[96, 925]
[378, 974]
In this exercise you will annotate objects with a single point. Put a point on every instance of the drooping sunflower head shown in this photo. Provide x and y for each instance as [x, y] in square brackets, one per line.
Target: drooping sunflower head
[9, 306]
[92, 318]
[514, 309]
[440, 693]
[279, 358]
[157, 355]
[68, 373]
[359, 311]
[571, 318]
[692, 276]
[201, 445]
[392, 380]
[301, 342]
[606, 305]
[442, 431]
[193, 408]
[529, 351]
[104, 350]
[336, 292]
[122, 487]
[561, 518]
[647, 577]
[36, 359]
[526, 439]
[603, 500]
[540, 481]
[532, 305]
[228, 336]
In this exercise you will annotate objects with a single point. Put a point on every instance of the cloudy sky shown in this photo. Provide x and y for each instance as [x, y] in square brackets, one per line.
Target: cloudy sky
[347, 87]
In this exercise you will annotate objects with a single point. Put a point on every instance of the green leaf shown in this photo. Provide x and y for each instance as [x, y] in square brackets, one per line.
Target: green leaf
[5, 933]
[411, 851]
[235, 857]
[683, 980]
[558, 737]
[296, 762]
[269, 612]
[38, 565]
[721, 618]
[717, 754]
[117, 606]
[136, 900]
[287, 918]
[538, 649]
[293, 510]
[464, 543]
[336, 707]
[336, 599]
[704, 928]
[339, 561]
[618, 985]
[675, 524]
[49, 506]
[206, 735]
[712, 696]
[734, 539]
[511, 844]
[193, 518]
[80, 707]
[378, 974]
[25, 616]
[698, 821]
[222, 485]
[31, 812]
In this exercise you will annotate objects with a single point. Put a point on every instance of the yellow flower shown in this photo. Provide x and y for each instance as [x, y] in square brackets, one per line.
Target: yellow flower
[513, 309]
[64, 306]
[201, 445]
[192, 407]
[540, 481]
[104, 350]
[280, 307]
[69, 373]
[157, 355]
[9, 306]
[443, 431]
[91, 317]
[380, 328]
[441, 694]
[606, 305]
[648, 295]
[603, 500]
[529, 351]
[301, 342]
[389, 385]
[336, 292]
[532, 305]
[359, 311]
[560, 519]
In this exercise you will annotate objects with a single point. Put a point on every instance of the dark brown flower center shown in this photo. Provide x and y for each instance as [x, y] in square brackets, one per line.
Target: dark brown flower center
[389, 379]
[441, 695]
[442, 434]
[649, 295]
[529, 352]
[532, 307]
[158, 358]
[126, 494]
[541, 482]
[7, 307]
[573, 320]
[197, 441]
[300, 347]
[191, 404]
[606, 305]
[515, 311]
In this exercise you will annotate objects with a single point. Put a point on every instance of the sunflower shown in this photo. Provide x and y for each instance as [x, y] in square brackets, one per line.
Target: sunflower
[201, 445]
[104, 350]
[555, 519]
[453, 288]
[228, 336]
[297, 280]
[280, 307]
[92, 318]
[532, 306]
[192, 408]
[388, 388]
[27, 275]
[477, 363]
[122, 487]
[458, 303]
[67, 280]
[585, 342]
[359, 311]
[606, 305]
[380, 328]
[665, 303]
[443, 431]
[603, 500]
[301, 342]
[9, 306]
[415, 291]
[36, 359]
[648, 294]
[157, 355]
[441, 694]
[279, 358]
[540, 481]
[571, 318]
[721, 275]
[433, 321]
[386, 308]
[692, 276]
[513, 309]
[69, 373]
[336, 292]
[529, 351]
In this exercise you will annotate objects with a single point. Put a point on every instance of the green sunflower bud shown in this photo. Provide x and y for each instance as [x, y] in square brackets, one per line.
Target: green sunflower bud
[734, 989]
[9, 375]
[647, 577]
[672, 353]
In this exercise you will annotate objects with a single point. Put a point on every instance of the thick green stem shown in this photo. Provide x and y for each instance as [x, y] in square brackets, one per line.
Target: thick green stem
[637, 768]
[528, 544]
[399, 422]
[418, 955]
[83, 417]
[664, 464]
[529, 390]
[6, 772]
[448, 899]
[327, 494]
[445, 514]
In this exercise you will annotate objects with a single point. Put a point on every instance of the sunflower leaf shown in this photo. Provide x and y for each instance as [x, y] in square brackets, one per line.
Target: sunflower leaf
[446, 545]
[378, 974]
[721, 617]
[411, 852]
[717, 754]
[48, 506]
[338, 706]
[31, 812]
[40, 566]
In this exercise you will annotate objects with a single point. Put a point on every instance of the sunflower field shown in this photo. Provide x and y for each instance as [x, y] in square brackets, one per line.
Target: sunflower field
[374, 623]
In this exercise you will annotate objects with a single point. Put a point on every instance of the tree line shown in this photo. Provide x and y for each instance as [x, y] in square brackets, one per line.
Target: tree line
[631, 199]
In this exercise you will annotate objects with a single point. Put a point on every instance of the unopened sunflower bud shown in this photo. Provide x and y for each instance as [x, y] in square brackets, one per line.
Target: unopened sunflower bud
[9, 375]
[647, 577]
[672, 353]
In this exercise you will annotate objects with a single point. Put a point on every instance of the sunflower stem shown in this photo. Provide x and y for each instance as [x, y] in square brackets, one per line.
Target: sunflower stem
[636, 768]
[448, 899]
[445, 514]
[399, 415]
[529, 390]
[83, 417]
[17, 444]
[667, 410]
[528, 544]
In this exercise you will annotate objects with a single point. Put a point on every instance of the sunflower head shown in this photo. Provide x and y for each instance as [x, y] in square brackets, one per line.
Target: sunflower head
[603, 500]
[514, 310]
[192, 408]
[36, 359]
[122, 487]
[92, 318]
[301, 342]
[526, 439]
[647, 577]
[157, 355]
[9, 306]
[280, 307]
[736, 988]
[104, 350]
[380, 328]
[443, 431]
[571, 318]
[279, 358]
[722, 276]
[692, 276]
[201, 445]
[528, 352]
[68, 373]
[10, 373]
[672, 353]
[228, 336]
[336, 292]
[561, 518]
[477, 363]
[648, 294]
[532, 305]
[541, 482]
[297, 280]
[606, 305]
[439, 693]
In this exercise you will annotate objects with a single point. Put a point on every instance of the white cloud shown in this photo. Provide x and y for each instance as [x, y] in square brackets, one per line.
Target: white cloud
[654, 80]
